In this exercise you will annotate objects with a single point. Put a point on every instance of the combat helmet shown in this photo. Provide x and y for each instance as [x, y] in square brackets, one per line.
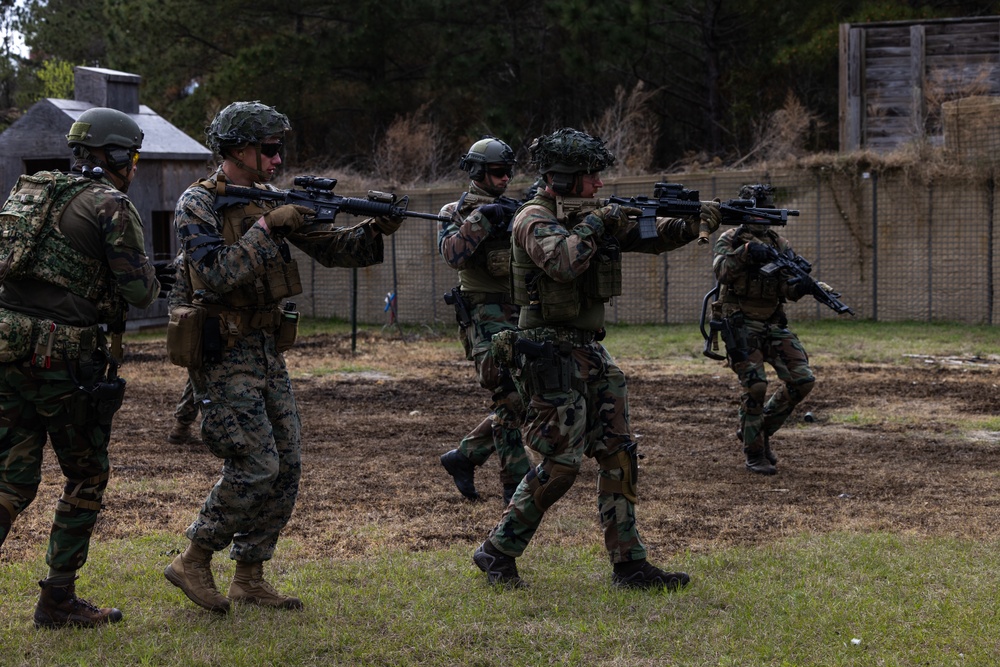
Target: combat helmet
[100, 127]
[243, 123]
[488, 150]
[569, 151]
[763, 195]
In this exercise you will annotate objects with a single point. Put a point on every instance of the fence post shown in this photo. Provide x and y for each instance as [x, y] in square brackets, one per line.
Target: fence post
[874, 179]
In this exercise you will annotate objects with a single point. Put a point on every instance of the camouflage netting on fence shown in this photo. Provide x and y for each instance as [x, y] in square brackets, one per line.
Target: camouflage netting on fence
[901, 240]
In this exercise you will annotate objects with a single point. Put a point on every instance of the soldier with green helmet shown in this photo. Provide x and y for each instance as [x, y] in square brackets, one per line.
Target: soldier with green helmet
[564, 269]
[476, 242]
[85, 256]
[240, 269]
[753, 301]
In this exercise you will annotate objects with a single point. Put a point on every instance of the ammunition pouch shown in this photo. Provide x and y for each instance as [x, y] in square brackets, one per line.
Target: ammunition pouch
[625, 459]
[498, 263]
[546, 367]
[185, 331]
[603, 279]
[288, 330]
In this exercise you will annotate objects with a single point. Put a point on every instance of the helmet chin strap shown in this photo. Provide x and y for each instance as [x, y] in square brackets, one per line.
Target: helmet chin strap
[261, 175]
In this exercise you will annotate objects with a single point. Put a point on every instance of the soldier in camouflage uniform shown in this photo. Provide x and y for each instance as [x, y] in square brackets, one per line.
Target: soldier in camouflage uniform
[54, 358]
[240, 268]
[564, 268]
[476, 242]
[753, 303]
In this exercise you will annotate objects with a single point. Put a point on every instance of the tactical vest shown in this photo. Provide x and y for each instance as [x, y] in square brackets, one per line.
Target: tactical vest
[279, 282]
[489, 267]
[547, 301]
[757, 296]
[35, 248]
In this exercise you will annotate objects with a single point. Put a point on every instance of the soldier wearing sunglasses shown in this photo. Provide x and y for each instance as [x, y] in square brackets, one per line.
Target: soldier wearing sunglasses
[476, 242]
[240, 269]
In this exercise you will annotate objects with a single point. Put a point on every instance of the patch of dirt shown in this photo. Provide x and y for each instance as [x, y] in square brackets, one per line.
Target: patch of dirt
[372, 435]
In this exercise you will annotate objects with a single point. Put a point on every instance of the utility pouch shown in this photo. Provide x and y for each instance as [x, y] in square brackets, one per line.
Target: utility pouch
[15, 336]
[498, 263]
[282, 280]
[603, 280]
[212, 345]
[184, 335]
[288, 329]
[551, 371]
[560, 301]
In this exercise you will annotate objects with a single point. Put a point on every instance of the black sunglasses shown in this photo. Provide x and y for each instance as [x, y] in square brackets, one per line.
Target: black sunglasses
[500, 171]
[270, 150]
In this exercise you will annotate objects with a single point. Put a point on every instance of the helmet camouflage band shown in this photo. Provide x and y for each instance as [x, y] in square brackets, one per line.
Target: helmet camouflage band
[243, 123]
[762, 194]
[488, 150]
[100, 126]
[569, 151]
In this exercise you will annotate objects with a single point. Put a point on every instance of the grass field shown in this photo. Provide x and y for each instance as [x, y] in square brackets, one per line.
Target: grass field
[847, 595]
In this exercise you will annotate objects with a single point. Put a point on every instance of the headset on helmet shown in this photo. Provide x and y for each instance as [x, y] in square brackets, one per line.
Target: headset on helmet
[488, 150]
[243, 123]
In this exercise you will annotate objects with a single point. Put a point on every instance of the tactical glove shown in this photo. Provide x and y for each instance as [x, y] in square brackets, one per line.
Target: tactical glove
[758, 253]
[493, 215]
[286, 219]
[166, 274]
[388, 224]
[615, 216]
[710, 215]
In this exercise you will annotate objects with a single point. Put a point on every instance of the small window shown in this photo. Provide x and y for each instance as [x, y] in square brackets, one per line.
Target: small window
[163, 235]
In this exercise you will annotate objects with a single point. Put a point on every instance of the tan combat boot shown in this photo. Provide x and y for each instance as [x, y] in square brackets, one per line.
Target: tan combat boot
[250, 587]
[191, 572]
[58, 606]
[181, 434]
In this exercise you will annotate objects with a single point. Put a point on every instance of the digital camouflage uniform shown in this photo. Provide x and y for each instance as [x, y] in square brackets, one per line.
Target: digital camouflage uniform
[753, 304]
[250, 419]
[568, 269]
[56, 308]
[482, 261]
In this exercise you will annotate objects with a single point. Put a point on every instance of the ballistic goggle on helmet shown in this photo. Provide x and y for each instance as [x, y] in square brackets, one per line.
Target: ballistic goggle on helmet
[486, 151]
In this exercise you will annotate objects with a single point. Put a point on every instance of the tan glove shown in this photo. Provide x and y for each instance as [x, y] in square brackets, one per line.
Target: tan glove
[615, 216]
[388, 225]
[286, 219]
[710, 218]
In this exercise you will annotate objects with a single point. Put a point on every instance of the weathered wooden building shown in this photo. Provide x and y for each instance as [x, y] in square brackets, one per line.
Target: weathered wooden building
[170, 160]
[897, 78]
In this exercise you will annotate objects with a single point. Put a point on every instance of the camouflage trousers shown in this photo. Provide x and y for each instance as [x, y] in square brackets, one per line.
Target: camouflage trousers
[500, 431]
[780, 348]
[251, 422]
[590, 419]
[35, 404]
[186, 411]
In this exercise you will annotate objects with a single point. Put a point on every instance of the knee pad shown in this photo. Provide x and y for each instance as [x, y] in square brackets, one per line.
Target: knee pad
[549, 482]
[85, 494]
[753, 399]
[798, 392]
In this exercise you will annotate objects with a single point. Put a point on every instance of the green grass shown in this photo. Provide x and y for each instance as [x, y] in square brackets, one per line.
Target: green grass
[799, 602]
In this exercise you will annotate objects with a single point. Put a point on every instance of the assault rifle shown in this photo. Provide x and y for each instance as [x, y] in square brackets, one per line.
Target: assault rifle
[796, 270]
[671, 200]
[317, 194]
[470, 202]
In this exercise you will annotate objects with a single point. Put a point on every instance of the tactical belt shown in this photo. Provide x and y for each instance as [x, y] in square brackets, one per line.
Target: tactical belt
[571, 335]
[484, 298]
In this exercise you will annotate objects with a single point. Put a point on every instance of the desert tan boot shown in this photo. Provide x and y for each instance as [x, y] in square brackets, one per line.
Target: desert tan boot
[191, 572]
[250, 587]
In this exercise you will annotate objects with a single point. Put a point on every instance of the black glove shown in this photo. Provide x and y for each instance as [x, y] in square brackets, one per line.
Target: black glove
[166, 273]
[494, 215]
[759, 254]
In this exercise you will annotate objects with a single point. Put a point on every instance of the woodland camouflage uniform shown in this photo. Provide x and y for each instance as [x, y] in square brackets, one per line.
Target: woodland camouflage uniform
[754, 305]
[564, 270]
[53, 354]
[470, 243]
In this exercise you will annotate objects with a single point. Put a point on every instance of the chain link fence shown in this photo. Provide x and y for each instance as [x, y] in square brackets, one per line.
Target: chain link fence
[898, 242]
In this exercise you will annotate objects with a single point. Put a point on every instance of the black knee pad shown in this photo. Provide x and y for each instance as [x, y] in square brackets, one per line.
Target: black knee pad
[549, 482]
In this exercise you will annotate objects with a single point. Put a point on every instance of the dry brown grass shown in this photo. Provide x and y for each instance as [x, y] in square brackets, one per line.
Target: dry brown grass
[630, 130]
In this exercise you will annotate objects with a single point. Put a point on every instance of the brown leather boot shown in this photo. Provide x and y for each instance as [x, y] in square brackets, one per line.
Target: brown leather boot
[250, 587]
[191, 572]
[58, 607]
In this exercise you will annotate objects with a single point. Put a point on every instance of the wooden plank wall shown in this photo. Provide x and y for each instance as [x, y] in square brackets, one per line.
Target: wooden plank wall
[894, 76]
